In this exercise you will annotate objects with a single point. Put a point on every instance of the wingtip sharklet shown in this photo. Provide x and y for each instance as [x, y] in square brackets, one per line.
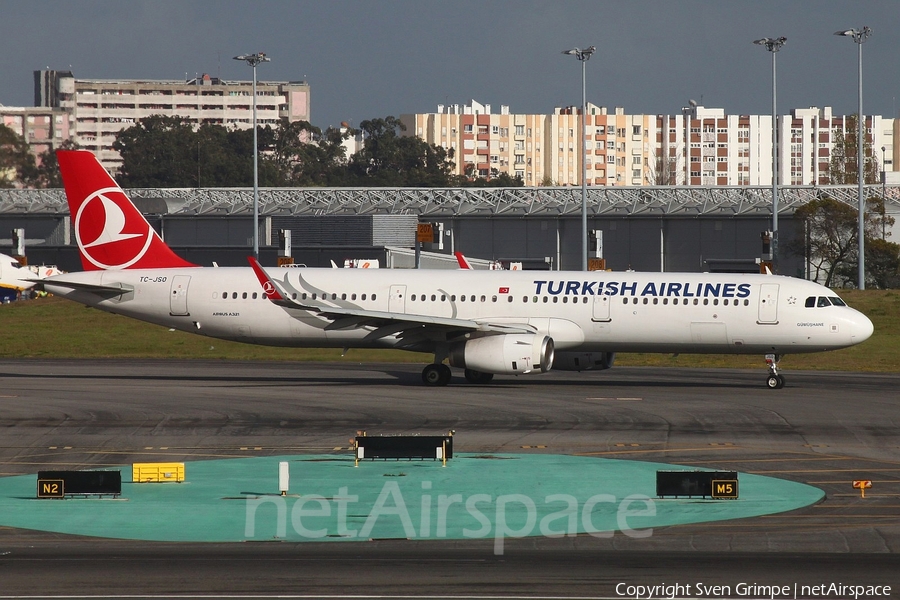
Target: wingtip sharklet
[270, 288]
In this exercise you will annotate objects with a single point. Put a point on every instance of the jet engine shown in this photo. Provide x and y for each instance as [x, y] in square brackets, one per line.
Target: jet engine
[506, 354]
[583, 361]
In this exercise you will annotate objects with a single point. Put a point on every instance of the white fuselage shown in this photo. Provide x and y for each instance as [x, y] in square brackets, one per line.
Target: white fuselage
[581, 311]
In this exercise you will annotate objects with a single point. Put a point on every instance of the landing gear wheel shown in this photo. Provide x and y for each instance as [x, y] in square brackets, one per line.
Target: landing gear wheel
[436, 374]
[473, 376]
[775, 382]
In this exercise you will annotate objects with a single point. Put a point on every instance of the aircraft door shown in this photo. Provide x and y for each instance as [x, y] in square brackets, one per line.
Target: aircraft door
[178, 296]
[397, 299]
[601, 308]
[768, 303]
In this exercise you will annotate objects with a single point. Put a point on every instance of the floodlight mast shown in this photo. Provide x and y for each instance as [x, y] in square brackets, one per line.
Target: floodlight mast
[860, 36]
[773, 45]
[583, 55]
[253, 60]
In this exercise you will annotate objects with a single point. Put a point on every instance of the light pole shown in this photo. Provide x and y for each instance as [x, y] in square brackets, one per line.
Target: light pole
[688, 112]
[583, 55]
[253, 60]
[773, 45]
[883, 192]
[859, 36]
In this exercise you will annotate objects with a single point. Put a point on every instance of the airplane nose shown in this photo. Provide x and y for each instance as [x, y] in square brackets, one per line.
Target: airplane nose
[862, 328]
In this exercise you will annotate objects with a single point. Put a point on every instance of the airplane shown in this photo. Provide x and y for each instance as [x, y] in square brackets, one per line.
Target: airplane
[14, 277]
[484, 322]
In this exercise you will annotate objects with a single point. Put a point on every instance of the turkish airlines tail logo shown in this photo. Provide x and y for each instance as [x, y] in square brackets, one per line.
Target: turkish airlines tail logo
[111, 232]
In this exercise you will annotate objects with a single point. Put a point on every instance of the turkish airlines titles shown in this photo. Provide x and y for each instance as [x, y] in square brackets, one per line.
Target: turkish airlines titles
[622, 288]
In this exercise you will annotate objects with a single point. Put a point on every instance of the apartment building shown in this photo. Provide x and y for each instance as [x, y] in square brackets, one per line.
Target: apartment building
[640, 150]
[42, 128]
[483, 142]
[103, 107]
[539, 149]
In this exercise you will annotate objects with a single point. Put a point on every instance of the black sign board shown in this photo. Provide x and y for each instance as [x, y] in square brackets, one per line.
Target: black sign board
[705, 484]
[434, 447]
[56, 484]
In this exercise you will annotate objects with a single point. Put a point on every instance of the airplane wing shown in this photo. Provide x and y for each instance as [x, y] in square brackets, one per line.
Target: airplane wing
[410, 328]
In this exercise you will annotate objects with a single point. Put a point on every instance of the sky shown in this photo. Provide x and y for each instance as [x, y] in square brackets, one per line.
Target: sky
[367, 59]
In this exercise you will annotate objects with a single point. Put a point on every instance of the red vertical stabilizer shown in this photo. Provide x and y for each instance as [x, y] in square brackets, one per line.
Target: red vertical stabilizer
[110, 231]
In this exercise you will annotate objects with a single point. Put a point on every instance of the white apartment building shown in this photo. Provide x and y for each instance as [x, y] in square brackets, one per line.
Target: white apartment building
[103, 107]
[640, 150]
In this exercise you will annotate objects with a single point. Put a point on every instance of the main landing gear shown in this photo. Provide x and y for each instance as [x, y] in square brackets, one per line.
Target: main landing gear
[774, 381]
[436, 374]
[439, 375]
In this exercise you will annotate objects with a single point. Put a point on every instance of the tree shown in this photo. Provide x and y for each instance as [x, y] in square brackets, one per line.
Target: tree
[827, 238]
[663, 169]
[496, 179]
[17, 163]
[881, 222]
[842, 168]
[47, 174]
[882, 264]
[224, 158]
[391, 160]
[158, 151]
[302, 155]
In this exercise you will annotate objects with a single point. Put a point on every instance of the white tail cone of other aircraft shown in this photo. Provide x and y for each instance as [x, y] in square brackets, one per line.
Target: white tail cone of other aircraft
[16, 277]
[485, 322]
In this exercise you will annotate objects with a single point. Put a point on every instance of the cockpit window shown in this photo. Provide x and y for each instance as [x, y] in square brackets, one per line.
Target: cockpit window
[837, 301]
[811, 302]
[823, 301]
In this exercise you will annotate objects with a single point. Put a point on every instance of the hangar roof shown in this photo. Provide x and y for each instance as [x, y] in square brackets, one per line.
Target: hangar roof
[673, 201]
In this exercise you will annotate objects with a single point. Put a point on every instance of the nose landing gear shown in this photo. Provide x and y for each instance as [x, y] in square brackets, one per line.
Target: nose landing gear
[774, 381]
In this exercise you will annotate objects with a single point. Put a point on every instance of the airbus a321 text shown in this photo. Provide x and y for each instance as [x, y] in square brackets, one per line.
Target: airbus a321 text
[485, 322]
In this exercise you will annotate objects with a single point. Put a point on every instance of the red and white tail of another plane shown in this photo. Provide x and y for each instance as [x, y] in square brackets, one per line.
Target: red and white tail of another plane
[484, 322]
[462, 260]
[18, 278]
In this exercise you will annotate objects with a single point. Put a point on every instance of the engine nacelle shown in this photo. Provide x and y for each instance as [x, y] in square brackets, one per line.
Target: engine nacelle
[583, 361]
[506, 354]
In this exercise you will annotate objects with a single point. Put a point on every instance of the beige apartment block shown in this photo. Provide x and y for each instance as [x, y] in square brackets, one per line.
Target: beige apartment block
[103, 107]
[484, 144]
[539, 149]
